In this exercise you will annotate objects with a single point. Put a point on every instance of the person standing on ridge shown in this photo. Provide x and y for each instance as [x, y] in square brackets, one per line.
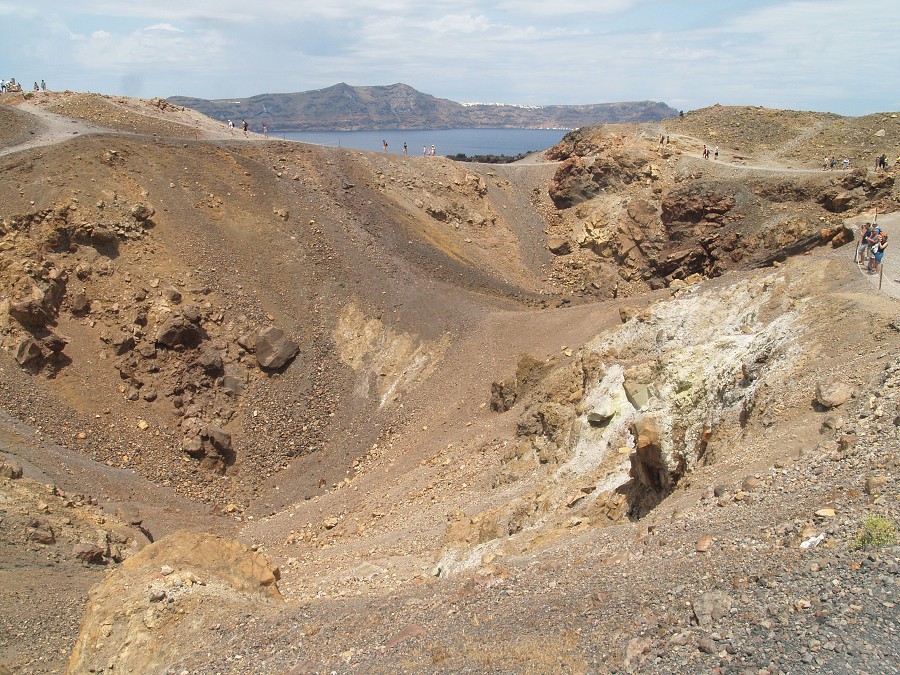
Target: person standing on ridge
[245, 127]
[43, 86]
[384, 143]
[405, 149]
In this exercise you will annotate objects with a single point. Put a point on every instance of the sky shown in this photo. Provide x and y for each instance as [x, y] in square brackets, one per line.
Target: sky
[827, 55]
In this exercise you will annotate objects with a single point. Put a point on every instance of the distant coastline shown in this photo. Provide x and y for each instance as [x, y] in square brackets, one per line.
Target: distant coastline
[398, 106]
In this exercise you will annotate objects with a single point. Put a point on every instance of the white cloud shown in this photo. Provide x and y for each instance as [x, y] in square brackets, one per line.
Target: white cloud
[458, 23]
[164, 26]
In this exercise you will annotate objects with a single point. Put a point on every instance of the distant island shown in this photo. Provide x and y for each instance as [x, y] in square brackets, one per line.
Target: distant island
[398, 106]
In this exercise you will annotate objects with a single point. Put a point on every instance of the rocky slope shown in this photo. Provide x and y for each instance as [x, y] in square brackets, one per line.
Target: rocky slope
[574, 414]
[399, 106]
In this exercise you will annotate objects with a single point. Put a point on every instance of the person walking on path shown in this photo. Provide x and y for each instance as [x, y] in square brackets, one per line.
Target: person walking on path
[862, 249]
[245, 127]
[405, 148]
[265, 131]
[878, 253]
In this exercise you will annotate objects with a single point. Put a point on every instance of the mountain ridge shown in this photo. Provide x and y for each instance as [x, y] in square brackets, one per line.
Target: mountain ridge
[342, 107]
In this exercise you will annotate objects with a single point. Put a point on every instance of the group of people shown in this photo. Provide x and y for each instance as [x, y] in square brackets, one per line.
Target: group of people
[245, 127]
[881, 163]
[11, 85]
[870, 251]
[426, 151]
[830, 162]
[706, 152]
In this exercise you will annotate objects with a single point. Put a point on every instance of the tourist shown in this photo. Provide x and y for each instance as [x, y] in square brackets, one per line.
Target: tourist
[265, 131]
[862, 249]
[231, 126]
[405, 149]
[245, 127]
[878, 254]
[717, 153]
[433, 151]
[43, 86]
[384, 143]
[845, 164]
[871, 245]
[36, 87]
[424, 151]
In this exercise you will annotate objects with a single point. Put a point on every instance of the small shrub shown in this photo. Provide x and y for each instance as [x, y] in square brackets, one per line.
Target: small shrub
[876, 532]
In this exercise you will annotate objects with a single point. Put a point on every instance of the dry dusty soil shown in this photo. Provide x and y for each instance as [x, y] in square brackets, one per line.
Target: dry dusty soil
[269, 407]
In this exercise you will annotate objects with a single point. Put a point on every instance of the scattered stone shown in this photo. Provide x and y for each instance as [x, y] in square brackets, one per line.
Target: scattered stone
[142, 213]
[40, 531]
[636, 648]
[874, 484]
[10, 468]
[833, 393]
[171, 294]
[559, 245]
[751, 483]
[408, 633]
[88, 553]
[707, 645]
[711, 606]
[27, 352]
[704, 543]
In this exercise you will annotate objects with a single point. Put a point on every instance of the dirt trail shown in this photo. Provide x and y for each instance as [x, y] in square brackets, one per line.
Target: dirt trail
[52, 129]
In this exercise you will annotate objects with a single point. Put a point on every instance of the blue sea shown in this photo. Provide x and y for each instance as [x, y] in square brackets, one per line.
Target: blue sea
[446, 141]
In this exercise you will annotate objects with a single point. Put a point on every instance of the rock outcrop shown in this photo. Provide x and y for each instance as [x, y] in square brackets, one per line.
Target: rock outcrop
[185, 579]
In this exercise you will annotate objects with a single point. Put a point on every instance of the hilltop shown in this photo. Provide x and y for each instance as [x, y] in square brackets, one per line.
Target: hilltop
[398, 106]
[612, 408]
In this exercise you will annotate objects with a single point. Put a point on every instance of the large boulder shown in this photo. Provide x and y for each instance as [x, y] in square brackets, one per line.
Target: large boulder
[27, 352]
[274, 349]
[148, 612]
[833, 393]
[837, 201]
[177, 330]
